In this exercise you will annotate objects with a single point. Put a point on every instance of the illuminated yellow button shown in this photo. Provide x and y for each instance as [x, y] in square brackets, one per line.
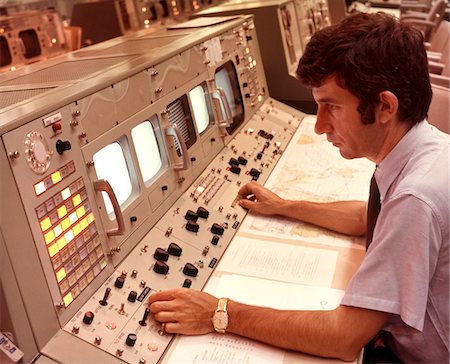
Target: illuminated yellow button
[84, 224]
[65, 193]
[68, 299]
[73, 217]
[76, 200]
[90, 217]
[39, 188]
[65, 224]
[45, 224]
[61, 242]
[81, 211]
[49, 237]
[56, 177]
[69, 236]
[61, 274]
[52, 250]
[62, 211]
[76, 229]
[250, 59]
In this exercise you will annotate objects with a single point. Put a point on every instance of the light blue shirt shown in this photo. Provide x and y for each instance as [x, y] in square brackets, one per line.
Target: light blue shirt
[406, 268]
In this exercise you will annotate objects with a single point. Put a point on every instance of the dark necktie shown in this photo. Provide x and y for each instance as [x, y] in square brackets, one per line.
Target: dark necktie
[373, 209]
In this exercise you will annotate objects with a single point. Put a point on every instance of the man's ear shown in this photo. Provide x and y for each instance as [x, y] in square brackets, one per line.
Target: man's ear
[387, 107]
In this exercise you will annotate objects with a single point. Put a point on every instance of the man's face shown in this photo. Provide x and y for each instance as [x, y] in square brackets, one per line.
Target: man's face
[339, 119]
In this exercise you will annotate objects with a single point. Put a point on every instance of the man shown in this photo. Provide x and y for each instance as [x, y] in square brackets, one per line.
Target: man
[369, 78]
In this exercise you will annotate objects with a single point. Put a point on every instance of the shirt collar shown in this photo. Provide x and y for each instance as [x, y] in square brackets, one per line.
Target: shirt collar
[392, 165]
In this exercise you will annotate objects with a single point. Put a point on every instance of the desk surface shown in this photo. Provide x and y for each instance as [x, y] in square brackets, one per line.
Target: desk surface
[311, 168]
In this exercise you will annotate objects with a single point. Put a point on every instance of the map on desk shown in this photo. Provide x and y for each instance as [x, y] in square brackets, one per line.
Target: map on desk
[312, 169]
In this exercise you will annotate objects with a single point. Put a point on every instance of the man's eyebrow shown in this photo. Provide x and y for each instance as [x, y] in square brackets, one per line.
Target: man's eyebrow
[326, 100]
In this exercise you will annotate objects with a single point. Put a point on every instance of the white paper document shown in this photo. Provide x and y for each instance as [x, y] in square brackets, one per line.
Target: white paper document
[223, 349]
[279, 262]
[278, 295]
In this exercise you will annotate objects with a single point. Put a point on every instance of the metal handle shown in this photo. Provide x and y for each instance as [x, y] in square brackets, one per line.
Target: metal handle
[225, 106]
[102, 185]
[173, 131]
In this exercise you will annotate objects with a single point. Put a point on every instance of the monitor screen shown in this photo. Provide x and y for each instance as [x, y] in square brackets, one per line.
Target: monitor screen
[30, 42]
[5, 53]
[201, 107]
[226, 79]
[118, 176]
[147, 150]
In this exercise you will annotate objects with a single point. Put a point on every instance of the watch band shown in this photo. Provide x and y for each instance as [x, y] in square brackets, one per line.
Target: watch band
[222, 304]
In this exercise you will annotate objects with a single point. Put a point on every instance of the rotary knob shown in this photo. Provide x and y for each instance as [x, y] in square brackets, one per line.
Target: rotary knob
[187, 283]
[191, 215]
[160, 267]
[174, 249]
[190, 270]
[217, 229]
[88, 317]
[192, 226]
[119, 282]
[202, 212]
[132, 296]
[161, 254]
[131, 339]
[62, 146]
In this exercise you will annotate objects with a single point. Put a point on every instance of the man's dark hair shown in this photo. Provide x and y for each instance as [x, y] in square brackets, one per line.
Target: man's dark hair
[371, 53]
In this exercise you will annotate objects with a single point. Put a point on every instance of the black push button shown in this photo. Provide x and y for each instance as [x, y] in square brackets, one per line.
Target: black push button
[190, 270]
[174, 250]
[119, 282]
[217, 229]
[215, 240]
[255, 173]
[160, 267]
[191, 215]
[161, 254]
[202, 212]
[132, 296]
[192, 226]
[187, 283]
[241, 160]
[235, 169]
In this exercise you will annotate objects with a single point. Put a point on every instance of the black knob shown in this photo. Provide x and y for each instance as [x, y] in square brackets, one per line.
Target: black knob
[215, 240]
[217, 229]
[61, 146]
[132, 296]
[192, 226]
[164, 188]
[259, 156]
[174, 249]
[160, 267]
[88, 317]
[235, 169]
[131, 339]
[191, 215]
[213, 140]
[161, 254]
[187, 283]
[254, 173]
[144, 318]
[233, 161]
[190, 270]
[119, 282]
[133, 218]
[202, 212]
[242, 161]
[104, 301]
[193, 159]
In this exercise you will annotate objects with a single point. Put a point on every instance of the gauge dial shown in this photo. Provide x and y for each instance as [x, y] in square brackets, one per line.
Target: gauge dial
[37, 152]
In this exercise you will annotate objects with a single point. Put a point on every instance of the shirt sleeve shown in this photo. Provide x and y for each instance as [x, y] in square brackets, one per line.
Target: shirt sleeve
[395, 274]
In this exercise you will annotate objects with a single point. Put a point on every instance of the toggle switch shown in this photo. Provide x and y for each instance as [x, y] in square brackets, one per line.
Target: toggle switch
[144, 318]
[104, 301]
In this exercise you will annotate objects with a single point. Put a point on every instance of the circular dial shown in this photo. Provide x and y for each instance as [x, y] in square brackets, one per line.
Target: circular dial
[37, 152]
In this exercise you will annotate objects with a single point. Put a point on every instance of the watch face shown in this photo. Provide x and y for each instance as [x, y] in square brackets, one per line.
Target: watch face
[220, 320]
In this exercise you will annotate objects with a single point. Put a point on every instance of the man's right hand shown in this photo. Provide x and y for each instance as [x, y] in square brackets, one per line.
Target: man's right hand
[260, 200]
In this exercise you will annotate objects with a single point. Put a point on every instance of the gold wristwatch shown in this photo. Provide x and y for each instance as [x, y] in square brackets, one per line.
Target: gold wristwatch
[220, 318]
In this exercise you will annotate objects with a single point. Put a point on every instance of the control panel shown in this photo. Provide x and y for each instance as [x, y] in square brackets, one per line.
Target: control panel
[185, 246]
